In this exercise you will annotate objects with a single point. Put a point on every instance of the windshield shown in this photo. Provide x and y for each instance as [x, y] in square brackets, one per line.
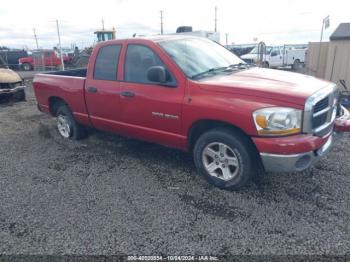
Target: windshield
[197, 55]
[255, 50]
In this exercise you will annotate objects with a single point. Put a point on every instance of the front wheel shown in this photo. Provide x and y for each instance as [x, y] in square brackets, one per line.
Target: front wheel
[265, 64]
[225, 158]
[19, 96]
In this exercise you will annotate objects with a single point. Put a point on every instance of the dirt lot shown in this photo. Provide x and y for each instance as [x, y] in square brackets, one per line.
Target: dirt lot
[111, 195]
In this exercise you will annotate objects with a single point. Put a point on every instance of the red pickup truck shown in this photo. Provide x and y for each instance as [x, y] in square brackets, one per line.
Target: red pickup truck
[42, 58]
[193, 94]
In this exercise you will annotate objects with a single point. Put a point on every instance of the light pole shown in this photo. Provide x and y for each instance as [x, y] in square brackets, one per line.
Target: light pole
[59, 44]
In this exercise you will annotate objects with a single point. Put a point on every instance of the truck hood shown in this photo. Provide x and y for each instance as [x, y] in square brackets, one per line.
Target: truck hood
[9, 76]
[267, 83]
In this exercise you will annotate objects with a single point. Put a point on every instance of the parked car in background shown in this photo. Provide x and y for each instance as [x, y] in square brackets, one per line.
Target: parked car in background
[278, 56]
[43, 59]
[193, 94]
[11, 83]
[11, 57]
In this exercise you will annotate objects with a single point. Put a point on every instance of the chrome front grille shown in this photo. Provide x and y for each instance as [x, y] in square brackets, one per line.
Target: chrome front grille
[321, 105]
[320, 111]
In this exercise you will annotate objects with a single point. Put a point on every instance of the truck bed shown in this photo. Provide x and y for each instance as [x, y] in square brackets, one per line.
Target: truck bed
[66, 85]
[80, 72]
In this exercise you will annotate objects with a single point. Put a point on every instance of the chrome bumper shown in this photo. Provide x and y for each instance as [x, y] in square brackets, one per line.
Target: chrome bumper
[297, 162]
[11, 90]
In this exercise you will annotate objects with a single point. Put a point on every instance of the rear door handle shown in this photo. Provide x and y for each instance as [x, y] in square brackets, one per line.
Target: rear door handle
[127, 94]
[92, 89]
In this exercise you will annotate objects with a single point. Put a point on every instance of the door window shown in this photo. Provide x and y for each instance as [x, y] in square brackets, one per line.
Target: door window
[275, 51]
[138, 60]
[106, 65]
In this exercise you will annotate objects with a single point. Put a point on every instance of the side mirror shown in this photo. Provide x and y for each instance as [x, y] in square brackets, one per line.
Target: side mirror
[157, 74]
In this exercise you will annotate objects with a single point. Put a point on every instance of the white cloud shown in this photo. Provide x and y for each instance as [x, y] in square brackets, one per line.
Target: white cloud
[273, 21]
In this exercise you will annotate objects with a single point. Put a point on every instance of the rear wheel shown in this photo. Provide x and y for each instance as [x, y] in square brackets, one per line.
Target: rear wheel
[66, 124]
[296, 64]
[225, 158]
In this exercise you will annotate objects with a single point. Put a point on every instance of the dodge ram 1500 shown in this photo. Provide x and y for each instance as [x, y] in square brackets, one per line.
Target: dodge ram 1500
[193, 94]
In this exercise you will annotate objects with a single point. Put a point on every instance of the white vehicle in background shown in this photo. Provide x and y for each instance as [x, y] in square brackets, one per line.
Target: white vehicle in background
[187, 30]
[215, 36]
[278, 56]
[253, 56]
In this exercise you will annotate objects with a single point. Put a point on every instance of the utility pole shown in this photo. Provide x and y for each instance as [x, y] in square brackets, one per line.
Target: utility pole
[161, 22]
[36, 39]
[103, 24]
[59, 43]
[216, 18]
[226, 35]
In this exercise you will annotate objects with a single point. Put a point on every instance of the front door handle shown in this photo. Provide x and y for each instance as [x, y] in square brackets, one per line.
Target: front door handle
[92, 89]
[127, 94]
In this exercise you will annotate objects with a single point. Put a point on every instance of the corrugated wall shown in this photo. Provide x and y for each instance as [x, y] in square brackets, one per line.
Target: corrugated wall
[332, 62]
[338, 62]
[316, 59]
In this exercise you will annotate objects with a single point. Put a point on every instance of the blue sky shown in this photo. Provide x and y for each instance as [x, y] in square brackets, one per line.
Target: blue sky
[272, 21]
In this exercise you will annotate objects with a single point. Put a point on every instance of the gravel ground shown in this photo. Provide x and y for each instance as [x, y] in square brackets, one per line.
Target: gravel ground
[112, 195]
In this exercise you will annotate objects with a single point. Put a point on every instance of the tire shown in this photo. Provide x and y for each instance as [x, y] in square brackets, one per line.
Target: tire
[19, 96]
[296, 64]
[27, 67]
[265, 64]
[235, 146]
[67, 127]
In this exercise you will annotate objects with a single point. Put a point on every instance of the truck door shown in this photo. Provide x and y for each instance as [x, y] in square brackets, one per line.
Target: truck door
[102, 89]
[276, 58]
[150, 110]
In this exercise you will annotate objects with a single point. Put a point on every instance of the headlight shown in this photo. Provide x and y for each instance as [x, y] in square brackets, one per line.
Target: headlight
[277, 121]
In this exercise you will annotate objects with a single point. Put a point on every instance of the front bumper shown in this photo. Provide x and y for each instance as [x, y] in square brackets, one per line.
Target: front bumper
[297, 162]
[8, 91]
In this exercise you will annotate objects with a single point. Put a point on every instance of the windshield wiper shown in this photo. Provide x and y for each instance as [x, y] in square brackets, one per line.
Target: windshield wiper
[240, 66]
[211, 70]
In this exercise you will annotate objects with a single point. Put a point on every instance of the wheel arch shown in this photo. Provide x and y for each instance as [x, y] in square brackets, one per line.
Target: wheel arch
[54, 103]
[201, 126]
